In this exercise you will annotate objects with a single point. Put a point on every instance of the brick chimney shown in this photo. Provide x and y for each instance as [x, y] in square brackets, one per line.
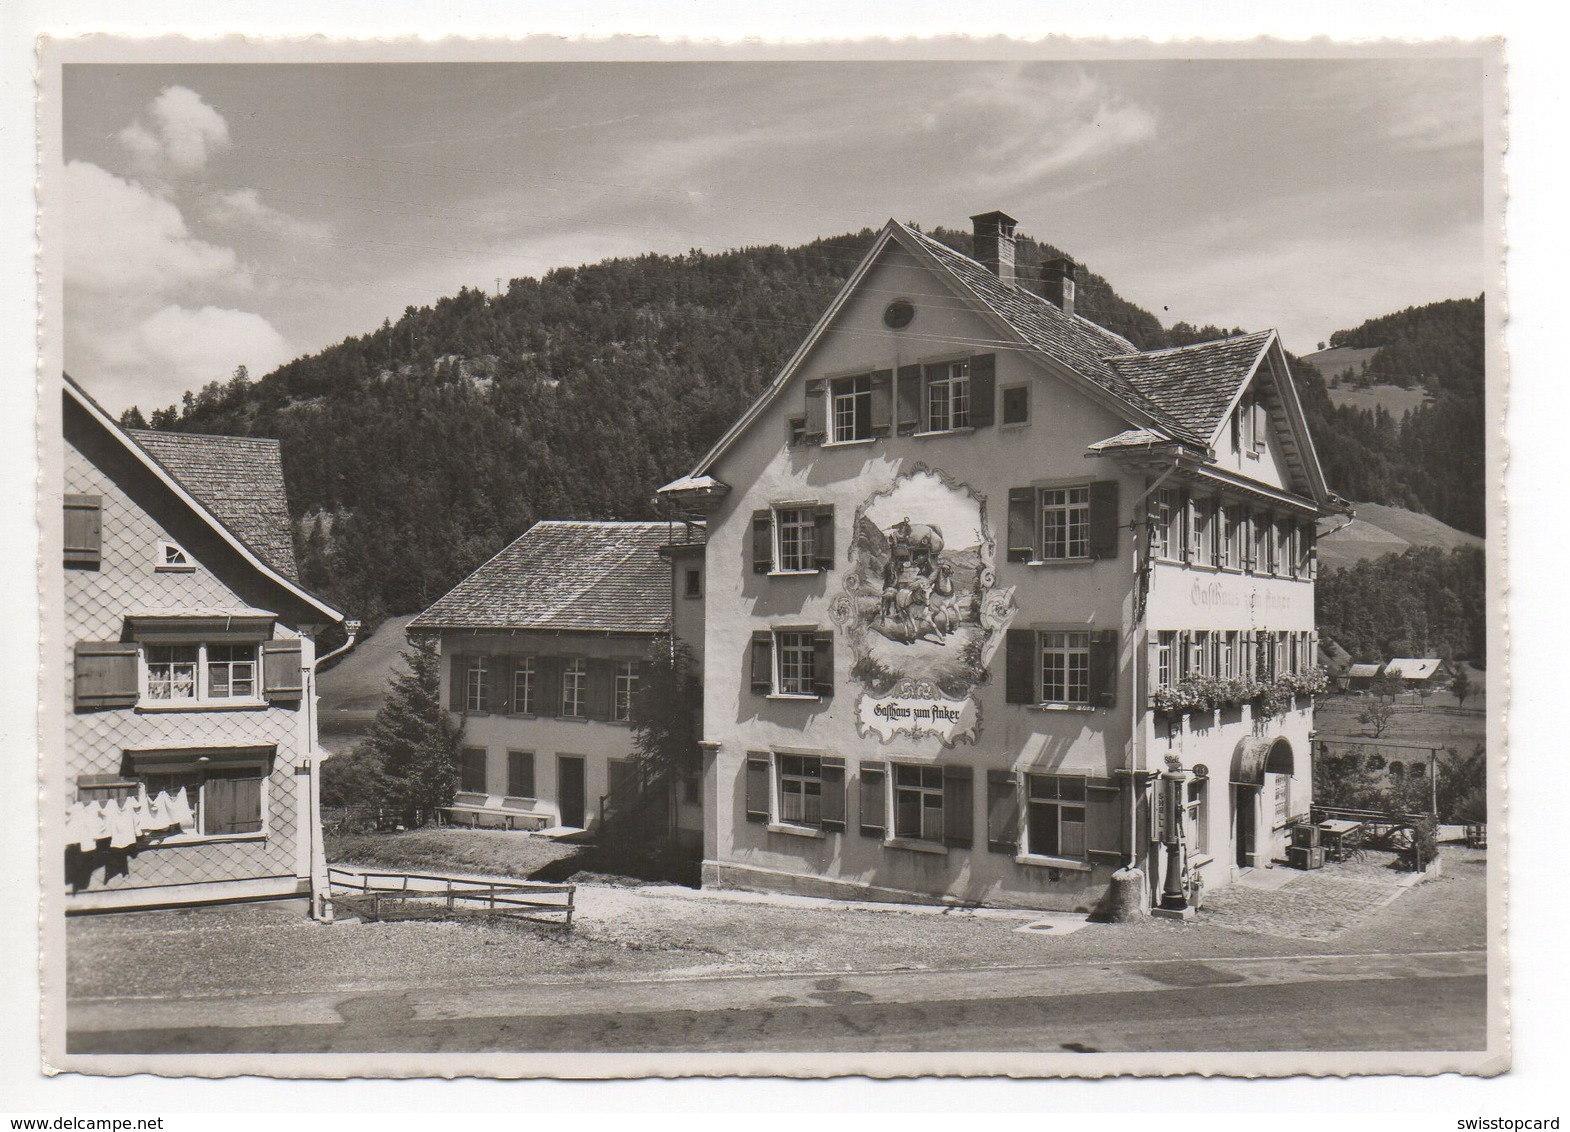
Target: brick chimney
[1057, 283]
[994, 244]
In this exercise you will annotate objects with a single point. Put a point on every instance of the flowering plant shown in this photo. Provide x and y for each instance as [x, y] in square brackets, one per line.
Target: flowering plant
[1269, 697]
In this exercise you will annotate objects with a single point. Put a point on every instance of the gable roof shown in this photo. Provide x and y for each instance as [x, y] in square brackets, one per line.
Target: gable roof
[1196, 384]
[202, 509]
[1180, 395]
[239, 479]
[1413, 667]
[566, 575]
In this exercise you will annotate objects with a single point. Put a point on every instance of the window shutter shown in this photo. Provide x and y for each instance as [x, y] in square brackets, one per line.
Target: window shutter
[823, 663]
[602, 684]
[547, 685]
[1310, 551]
[1261, 424]
[762, 542]
[983, 390]
[1022, 524]
[1019, 662]
[1152, 661]
[833, 813]
[958, 806]
[1104, 815]
[105, 674]
[823, 536]
[1104, 667]
[1189, 524]
[762, 662]
[1183, 655]
[501, 684]
[882, 401]
[1246, 522]
[909, 399]
[1104, 524]
[817, 410]
[520, 774]
[232, 805]
[83, 530]
[757, 786]
[282, 680]
[455, 677]
[1002, 812]
[874, 802]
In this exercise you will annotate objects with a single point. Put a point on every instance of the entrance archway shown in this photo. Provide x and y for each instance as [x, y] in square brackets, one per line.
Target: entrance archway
[1256, 762]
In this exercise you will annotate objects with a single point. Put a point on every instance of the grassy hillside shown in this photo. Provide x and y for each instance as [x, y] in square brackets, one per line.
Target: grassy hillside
[353, 688]
[1380, 530]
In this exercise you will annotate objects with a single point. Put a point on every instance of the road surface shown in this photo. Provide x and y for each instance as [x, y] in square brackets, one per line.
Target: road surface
[1425, 1001]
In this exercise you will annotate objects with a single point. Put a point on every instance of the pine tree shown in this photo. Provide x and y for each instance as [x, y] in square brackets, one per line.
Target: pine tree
[415, 738]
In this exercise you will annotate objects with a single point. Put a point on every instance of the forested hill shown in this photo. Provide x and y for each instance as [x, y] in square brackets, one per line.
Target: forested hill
[1431, 459]
[415, 452]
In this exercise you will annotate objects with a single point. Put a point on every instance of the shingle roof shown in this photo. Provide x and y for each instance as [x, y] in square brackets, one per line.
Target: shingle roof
[239, 479]
[1195, 384]
[1074, 341]
[1132, 438]
[566, 575]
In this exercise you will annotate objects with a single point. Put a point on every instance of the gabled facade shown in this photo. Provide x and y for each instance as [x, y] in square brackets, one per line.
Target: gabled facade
[542, 651]
[967, 558]
[190, 738]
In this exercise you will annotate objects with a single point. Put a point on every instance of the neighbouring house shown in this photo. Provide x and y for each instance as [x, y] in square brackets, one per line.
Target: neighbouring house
[190, 754]
[1420, 672]
[998, 605]
[1360, 677]
[542, 649]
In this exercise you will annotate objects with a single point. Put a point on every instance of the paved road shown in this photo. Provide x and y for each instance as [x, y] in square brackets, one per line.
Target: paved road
[1428, 1001]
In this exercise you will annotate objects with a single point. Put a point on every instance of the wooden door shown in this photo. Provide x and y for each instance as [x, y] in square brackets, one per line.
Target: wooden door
[571, 789]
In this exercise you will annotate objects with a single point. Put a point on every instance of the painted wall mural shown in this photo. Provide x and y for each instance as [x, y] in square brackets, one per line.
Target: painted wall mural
[921, 609]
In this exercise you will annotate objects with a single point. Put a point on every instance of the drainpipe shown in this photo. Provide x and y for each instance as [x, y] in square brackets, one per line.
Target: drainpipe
[321, 892]
[1141, 642]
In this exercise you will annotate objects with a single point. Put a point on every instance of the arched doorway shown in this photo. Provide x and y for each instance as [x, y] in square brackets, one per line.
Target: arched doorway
[1261, 800]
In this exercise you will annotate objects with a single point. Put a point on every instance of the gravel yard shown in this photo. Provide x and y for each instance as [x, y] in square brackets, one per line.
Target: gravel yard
[661, 932]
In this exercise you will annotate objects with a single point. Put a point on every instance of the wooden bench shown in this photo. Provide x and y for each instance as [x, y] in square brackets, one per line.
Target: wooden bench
[504, 812]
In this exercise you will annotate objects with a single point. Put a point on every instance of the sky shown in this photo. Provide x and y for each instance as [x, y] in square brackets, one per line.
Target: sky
[245, 214]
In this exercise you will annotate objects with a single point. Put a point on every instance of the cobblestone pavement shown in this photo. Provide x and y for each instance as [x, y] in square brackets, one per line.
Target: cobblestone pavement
[1317, 905]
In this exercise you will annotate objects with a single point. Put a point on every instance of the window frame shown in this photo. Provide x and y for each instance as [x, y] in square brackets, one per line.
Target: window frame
[922, 790]
[856, 391]
[524, 669]
[1165, 524]
[622, 695]
[792, 768]
[1075, 513]
[1075, 644]
[574, 690]
[954, 389]
[1057, 803]
[166, 562]
[476, 692]
[804, 643]
[465, 766]
[1194, 826]
[1166, 643]
[201, 680]
[693, 587]
[180, 767]
[804, 523]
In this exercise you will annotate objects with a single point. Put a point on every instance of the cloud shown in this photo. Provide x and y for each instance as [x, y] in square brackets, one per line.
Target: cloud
[178, 131]
[244, 209]
[207, 343]
[124, 239]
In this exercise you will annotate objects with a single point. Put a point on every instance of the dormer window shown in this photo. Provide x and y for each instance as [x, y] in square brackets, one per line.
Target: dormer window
[172, 558]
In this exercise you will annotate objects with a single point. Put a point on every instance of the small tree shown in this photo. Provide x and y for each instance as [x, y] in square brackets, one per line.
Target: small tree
[1377, 713]
[415, 738]
[1461, 686]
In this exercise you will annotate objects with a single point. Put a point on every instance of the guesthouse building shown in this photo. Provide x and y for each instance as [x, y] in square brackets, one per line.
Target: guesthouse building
[190, 757]
[998, 606]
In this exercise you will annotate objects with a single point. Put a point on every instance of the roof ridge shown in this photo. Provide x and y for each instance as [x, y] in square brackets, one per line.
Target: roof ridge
[269, 440]
[1190, 346]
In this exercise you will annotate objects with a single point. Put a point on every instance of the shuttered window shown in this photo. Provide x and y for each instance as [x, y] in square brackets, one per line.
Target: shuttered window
[471, 770]
[1056, 823]
[83, 531]
[1002, 812]
[232, 805]
[757, 786]
[1070, 667]
[1063, 523]
[520, 774]
[793, 538]
[873, 800]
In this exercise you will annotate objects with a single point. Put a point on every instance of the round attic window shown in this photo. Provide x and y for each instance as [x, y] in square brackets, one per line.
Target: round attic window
[899, 314]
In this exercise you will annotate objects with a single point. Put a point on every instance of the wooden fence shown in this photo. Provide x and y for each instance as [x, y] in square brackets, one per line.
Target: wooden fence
[388, 895]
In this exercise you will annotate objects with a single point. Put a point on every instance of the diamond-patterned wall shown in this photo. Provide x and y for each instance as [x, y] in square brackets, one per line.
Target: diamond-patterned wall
[96, 602]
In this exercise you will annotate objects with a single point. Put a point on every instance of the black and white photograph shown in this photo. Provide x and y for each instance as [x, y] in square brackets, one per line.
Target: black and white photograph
[966, 563]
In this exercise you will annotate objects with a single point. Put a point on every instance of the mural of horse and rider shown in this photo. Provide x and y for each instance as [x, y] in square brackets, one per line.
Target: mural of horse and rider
[921, 609]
